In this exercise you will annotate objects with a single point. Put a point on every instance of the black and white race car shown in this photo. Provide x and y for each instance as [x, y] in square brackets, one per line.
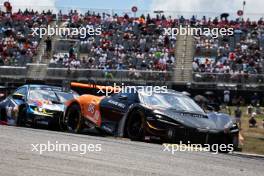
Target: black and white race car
[169, 115]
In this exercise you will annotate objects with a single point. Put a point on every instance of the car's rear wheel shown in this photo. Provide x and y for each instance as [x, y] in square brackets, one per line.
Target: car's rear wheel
[74, 120]
[135, 126]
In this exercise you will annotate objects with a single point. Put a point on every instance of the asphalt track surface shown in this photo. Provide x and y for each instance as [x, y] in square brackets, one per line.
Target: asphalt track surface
[118, 157]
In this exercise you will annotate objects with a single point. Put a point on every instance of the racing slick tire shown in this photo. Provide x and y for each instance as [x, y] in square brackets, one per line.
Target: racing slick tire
[236, 143]
[135, 126]
[73, 119]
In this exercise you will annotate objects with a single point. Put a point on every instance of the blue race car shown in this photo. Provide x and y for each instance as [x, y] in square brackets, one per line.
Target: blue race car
[32, 105]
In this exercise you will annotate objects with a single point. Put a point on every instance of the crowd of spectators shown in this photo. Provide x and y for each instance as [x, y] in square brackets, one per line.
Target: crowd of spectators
[125, 42]
[128, 43]
[241, 53]
[17, 44]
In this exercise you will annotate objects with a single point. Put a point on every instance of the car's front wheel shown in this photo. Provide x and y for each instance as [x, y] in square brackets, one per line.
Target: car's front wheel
[236, 143]
[73, 119]
[22, 116]
[135, 126]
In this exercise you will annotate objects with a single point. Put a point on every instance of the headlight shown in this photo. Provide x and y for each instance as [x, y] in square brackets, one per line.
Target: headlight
[231, 127]
[230, 124]
[166, 119]
[159, 116]
[40, 110]
[234, 125]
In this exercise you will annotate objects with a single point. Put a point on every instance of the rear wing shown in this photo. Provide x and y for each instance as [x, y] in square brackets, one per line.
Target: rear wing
[95, 89]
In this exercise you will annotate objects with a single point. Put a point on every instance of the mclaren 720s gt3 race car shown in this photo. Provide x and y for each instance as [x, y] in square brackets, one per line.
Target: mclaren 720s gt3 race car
[139, 115]
[32, 105]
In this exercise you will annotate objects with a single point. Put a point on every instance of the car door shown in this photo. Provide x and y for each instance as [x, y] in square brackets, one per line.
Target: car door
[124, 101]
[114, 107]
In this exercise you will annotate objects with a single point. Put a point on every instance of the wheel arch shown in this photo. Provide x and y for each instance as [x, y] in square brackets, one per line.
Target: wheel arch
[123, 121]
[70, 105]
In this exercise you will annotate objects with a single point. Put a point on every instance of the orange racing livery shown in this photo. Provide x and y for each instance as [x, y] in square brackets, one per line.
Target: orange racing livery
[90, 109]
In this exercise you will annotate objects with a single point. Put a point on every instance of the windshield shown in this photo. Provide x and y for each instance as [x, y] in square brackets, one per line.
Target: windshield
[39, 94]
[173, 101]
[50, 95]
[64, 96]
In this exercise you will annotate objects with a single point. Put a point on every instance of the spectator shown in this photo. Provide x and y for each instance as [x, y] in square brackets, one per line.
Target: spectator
[195, 66]
[258, 109]
[71, 51]
[255, 99]
[226, 97]
[48, 42]
[252, 121]
[238, 115]
[53, 61]
[249, 110]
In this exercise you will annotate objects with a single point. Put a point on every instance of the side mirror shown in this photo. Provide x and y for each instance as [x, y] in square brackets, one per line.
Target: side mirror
[122, 97]
[18, 97]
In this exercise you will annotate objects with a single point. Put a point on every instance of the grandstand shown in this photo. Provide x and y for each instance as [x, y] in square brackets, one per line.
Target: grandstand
[132, 49]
